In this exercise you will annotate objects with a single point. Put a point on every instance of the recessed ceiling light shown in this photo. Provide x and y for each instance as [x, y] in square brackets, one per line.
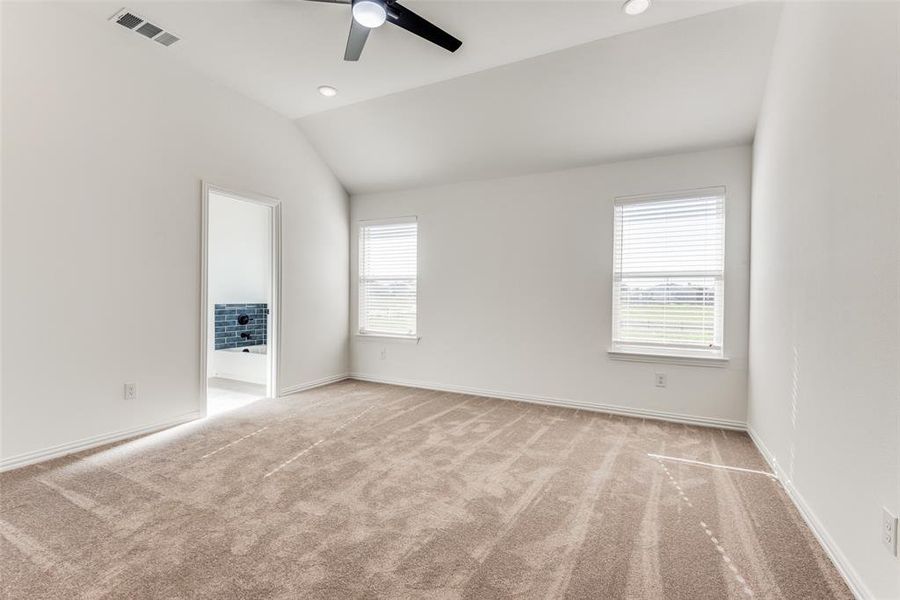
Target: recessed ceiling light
[327, 91]
[635, 7]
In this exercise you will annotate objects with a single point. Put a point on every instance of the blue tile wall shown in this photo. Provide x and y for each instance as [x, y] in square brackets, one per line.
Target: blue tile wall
[229, 330]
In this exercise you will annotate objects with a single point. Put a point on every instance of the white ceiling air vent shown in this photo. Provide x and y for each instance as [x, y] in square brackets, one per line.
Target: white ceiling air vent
[165, 38]
[134, 22]
[149, 30]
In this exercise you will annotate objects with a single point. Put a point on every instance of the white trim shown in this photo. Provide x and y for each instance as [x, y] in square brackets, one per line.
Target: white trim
[274, 334]
[387, 337]
[563, 402]
[302, 387]
[843, 566]
[204, 297]
[388, 221]
[704, 192]
[688, 361]
[37, 456]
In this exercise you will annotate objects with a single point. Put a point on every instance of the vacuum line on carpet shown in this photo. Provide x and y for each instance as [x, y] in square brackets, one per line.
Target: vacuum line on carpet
[228, 445]
[706, 464]
[741, 581]
[311, 446]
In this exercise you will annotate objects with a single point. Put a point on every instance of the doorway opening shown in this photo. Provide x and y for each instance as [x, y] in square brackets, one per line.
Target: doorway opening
[240, 298]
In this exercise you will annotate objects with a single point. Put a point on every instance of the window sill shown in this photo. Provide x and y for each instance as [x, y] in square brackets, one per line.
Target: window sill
[387, 337]
[672, 359]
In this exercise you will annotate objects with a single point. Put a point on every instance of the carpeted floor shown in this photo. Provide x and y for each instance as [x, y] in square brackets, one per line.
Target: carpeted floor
[358, 490]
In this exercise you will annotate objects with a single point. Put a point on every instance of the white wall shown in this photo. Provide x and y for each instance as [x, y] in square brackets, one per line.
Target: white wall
[515, 288]
[239, 251]
[825, 320]
[101, 228]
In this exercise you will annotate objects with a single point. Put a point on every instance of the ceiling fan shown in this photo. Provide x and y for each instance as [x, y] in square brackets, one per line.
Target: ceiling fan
[369, 14]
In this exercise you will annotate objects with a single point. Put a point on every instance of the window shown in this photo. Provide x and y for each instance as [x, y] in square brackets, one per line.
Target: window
[668, 274]
[387, 277]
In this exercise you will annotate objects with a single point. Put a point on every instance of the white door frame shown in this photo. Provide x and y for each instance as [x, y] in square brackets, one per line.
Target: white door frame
[273, 349]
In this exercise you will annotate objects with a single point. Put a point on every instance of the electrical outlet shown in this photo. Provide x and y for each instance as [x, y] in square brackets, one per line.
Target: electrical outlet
[660, 379]
[131, 391]
[889, 531]
[383, 353]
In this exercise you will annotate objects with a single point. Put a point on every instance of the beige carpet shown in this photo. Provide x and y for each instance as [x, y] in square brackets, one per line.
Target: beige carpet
[359, 490]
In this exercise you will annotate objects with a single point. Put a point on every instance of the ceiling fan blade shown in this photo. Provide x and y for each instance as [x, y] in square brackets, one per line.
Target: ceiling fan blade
[410, 21]
[356, 40]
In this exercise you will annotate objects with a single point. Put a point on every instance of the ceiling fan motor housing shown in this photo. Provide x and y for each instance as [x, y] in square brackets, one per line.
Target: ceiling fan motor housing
[369, 14]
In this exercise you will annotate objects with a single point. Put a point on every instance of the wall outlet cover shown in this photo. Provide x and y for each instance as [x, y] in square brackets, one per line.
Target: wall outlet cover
[131, 391]
[660, 380]
[889, 531]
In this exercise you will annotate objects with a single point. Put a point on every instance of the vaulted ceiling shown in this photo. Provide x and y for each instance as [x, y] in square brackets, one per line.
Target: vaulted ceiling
[537, 85]
[686, 85]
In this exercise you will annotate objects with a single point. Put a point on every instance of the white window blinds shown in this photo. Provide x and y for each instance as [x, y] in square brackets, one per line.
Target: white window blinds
[387, 277]
[668, 275]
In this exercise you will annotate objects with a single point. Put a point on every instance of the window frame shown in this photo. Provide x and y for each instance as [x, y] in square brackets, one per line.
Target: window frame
[361, 284]
[661, 353]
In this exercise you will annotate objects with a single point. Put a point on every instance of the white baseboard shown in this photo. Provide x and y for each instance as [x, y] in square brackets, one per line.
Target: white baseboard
[564, 402]
[851, 577]
[36, 456]
[302, 387]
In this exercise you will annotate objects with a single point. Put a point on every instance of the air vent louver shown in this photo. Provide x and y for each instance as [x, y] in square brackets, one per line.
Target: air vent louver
[129, 20]
[134, 22]
[148, 30]
[166, 39]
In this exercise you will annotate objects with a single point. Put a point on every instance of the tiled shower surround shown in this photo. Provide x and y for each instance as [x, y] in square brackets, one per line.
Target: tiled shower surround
[229, 327]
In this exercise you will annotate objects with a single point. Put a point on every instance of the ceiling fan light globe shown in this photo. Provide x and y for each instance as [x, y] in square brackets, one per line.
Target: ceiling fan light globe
[635, 7]
[369, 13]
